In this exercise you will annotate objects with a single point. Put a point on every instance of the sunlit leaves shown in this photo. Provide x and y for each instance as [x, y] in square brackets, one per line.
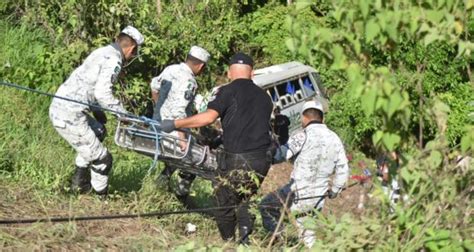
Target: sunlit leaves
[372, 29]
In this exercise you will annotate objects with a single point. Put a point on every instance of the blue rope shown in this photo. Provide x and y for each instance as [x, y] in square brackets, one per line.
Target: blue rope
[153, 124]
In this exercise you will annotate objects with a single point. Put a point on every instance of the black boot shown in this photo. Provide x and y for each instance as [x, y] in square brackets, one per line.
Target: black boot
[163, 180]
[244, 233]
[103, 194]
[80, 181]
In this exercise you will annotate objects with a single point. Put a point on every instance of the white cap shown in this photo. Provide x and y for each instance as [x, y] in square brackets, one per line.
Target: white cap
[199, 53]
[312, 105]
[134, 34]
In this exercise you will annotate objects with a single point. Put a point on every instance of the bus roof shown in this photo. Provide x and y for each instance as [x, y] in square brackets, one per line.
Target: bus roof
[277, 73]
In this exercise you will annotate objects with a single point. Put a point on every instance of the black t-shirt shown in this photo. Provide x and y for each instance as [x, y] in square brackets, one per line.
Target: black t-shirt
[280, 126]
[245, 111]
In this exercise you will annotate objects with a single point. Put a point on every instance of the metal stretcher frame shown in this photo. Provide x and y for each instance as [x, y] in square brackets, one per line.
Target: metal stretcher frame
[137, 135]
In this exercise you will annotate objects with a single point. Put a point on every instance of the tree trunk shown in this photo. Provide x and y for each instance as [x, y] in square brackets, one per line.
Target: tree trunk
[158, 7]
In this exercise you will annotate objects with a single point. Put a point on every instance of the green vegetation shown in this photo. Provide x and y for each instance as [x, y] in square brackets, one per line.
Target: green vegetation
[398, 75]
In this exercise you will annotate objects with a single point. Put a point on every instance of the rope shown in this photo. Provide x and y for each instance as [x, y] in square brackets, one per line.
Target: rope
[68, 99]
[157, 144]
[140, 215]
[269, 205]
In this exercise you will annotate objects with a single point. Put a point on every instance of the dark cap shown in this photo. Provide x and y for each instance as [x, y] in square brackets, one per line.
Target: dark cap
[241, 58]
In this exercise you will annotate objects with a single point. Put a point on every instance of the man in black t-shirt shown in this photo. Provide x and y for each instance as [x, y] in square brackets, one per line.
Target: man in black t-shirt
[280, 126]
[244, 110]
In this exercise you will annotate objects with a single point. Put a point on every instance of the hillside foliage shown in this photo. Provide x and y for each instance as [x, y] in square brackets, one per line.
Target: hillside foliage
[397, 73]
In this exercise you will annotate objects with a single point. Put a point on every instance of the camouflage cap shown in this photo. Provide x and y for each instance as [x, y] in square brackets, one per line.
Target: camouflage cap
[199, 53]
[312, 105]
[134, 34]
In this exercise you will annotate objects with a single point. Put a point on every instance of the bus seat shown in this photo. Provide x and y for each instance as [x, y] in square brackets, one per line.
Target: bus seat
[289, 98]
[299, 95]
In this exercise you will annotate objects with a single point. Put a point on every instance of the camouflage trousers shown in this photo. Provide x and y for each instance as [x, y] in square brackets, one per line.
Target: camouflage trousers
[82, 132]
[303, 205]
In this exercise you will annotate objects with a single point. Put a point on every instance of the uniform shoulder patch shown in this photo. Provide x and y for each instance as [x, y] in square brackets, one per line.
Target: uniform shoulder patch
[115, 75]
[190, 90]
[296, 142]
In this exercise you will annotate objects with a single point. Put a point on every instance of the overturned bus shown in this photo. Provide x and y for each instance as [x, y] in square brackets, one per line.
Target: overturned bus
[290, 85]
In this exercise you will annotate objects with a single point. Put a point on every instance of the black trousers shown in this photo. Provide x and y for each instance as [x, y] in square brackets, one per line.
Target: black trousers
[239, 177]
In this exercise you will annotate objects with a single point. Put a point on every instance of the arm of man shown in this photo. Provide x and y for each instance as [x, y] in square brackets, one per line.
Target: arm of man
[215, 108]
[202, 119]
[103, 93]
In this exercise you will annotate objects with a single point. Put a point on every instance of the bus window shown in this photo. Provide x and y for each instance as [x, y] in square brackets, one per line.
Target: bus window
[286, 91]
[308, 86]
[274, 95]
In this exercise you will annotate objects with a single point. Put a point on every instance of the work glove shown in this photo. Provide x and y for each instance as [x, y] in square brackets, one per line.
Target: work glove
[100, 116]
[167, 126]
[331, 194]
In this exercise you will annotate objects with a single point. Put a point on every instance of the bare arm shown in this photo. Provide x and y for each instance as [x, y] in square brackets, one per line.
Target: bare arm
[155, 95]
[202, 119]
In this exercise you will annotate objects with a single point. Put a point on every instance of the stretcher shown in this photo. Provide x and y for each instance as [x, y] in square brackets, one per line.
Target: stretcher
[148, 140]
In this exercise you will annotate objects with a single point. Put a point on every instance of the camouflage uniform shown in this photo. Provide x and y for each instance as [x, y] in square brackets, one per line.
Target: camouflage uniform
[177, 88]
[319, 152]
[90, 83]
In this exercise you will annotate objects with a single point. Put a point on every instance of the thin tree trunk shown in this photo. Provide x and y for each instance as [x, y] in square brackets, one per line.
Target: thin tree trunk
[419, 71]
[158, 7]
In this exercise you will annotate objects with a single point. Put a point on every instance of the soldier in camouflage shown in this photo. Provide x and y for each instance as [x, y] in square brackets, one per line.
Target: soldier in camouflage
[319, 153]
[92, 83]
[173, 92]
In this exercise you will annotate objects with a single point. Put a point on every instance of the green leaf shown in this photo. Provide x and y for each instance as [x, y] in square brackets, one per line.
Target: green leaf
[431, 37]
[394, 103]
[291, 44]
[372, 29]
[469, 4]
[364, 7]
[435, 159]
[406, 175]
[324, 35]
[434, 16]
[390, 140]
[392, 31]
[413, 25]
[337, 14]
[302, 4]
[377, 137]
[368, 102]
[468, 244]
[339, 59]
[465, 143]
